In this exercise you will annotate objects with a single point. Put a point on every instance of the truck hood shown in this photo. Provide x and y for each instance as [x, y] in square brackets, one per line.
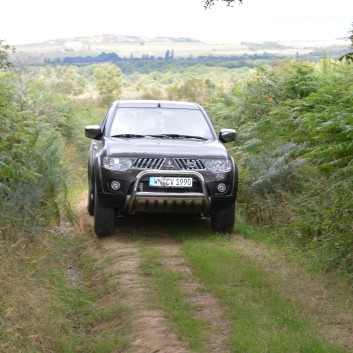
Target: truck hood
[153, 147]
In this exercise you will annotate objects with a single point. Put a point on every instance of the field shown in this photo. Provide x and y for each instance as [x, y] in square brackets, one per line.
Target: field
[139, 46]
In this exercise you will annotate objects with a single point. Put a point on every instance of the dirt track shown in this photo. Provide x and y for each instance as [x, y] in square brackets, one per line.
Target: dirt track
[152, 332]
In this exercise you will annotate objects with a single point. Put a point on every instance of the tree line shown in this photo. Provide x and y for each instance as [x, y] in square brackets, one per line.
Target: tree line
[169, 55]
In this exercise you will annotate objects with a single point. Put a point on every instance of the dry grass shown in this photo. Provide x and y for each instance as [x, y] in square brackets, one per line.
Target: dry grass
[27, 299]
[51, 299]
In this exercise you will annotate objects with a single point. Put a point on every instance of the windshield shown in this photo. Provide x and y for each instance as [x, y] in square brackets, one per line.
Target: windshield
[139, 122]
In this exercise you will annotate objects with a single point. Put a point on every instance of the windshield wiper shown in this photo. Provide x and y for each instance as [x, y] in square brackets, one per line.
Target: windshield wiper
[166, 136]
[129, 136]
[178, 136]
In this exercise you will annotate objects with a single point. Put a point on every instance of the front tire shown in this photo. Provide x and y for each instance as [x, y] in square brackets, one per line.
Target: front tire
[222, 220]
[103, 217]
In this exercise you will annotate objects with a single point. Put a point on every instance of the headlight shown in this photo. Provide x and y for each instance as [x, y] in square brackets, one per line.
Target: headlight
[117, 163]
[217, 165]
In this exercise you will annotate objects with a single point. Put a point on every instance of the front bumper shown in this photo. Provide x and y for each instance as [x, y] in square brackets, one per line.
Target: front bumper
[168, 202]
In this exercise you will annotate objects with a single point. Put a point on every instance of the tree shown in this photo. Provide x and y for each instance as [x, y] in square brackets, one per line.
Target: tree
[349, 56]
[66, 80]
[108, 82]
[209, 3]
[4, 54]
[193, 89]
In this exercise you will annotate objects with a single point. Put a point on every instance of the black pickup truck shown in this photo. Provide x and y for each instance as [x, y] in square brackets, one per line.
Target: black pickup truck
[150, 156]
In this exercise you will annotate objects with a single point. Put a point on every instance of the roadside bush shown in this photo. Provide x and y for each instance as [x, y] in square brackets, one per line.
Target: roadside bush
[32, 187]
[295, 152]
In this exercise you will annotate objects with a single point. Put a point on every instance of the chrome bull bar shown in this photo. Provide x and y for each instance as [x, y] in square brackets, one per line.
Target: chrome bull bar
[192, 202]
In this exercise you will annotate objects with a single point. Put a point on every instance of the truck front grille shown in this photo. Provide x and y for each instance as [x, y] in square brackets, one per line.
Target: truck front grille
[180, 163]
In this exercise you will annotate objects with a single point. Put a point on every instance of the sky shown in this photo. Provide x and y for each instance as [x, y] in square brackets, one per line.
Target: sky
[31, 21]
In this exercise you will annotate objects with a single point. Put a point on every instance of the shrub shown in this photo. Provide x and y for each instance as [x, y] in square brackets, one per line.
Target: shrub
[295, 151]
[32, 187]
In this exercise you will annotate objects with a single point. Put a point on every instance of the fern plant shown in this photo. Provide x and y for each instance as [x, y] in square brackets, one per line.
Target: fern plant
[295, 150]
[32, 176]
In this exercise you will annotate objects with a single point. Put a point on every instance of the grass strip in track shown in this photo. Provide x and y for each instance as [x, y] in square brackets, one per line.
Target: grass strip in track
[169, 297]
[263, 318]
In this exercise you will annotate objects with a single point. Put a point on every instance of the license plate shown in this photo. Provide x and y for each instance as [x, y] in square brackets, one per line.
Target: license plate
[170, 182]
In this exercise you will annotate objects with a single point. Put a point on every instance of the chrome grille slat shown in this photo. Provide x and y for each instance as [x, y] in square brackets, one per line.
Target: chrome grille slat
[158, 163]
[180, 163]
[148, 163]
[189, 164]
[200, 164]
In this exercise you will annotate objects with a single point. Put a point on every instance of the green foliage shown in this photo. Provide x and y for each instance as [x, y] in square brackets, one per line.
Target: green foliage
[200, 83]
[108, 81]
[66, 80]
[32, 187]
[295, 151]
[4, 54]
[193, 89]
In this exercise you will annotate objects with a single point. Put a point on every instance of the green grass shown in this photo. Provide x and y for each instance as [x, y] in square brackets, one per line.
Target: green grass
[263, 318]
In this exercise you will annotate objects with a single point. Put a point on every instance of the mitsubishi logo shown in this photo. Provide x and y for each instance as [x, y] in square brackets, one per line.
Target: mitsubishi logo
[191, 163]
[169, 164]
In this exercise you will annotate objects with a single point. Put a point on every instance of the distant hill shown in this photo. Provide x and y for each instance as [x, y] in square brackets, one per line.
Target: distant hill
[114, 38]
[92, 45]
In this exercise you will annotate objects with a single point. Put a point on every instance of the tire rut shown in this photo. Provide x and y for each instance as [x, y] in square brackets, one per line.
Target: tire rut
[151, 332]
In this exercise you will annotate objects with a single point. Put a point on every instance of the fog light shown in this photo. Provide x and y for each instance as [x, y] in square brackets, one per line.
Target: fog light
[221, 187]
[115, 185]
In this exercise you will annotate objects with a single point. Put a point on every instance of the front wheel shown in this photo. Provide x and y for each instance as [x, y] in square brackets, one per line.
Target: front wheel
[223, 220]
[103, 217]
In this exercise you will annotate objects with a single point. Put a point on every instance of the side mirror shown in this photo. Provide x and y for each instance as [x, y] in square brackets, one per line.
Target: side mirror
[227, 135]
[93, 132]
